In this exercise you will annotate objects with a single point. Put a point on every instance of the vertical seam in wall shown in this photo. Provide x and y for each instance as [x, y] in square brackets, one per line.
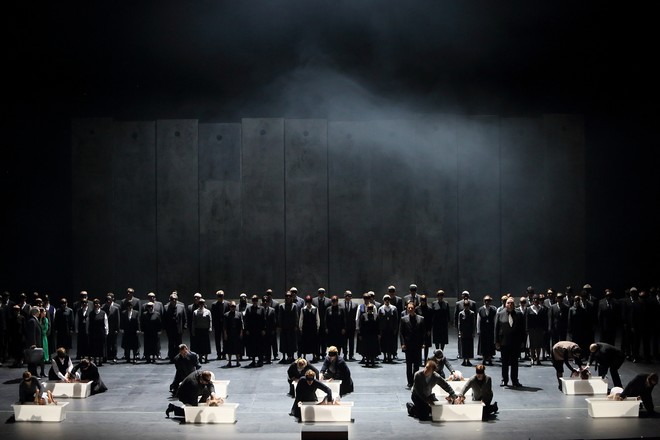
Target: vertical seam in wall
[499, 203]
[327, 203]
[284, 191]
[199, 222]
[458, 216]
[156, 195]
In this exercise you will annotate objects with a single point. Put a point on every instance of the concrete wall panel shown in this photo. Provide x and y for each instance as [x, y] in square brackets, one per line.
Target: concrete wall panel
[92, 215]
[134, 207]
[177, 206]
[263, 205]
[564, 201]
[522, 161]
[479, 206]
[220, 208]
[350, 222]
[435, 213]
[306, 168]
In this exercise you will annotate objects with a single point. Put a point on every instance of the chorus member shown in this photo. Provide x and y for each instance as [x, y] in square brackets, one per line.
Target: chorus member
[509, 333]
[411, 335]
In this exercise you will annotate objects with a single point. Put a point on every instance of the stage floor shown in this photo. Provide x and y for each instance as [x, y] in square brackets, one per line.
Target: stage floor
[138, 396]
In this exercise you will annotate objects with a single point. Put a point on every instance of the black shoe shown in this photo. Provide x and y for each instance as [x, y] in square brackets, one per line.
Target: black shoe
[169, 410]
[283, 361]
[409, 386]
[495, 408]
[411, 409]
[468, 364]
[503, 383]
[517, 385]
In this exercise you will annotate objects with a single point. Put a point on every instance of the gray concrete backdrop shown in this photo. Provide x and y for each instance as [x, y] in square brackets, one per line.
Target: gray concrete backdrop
[484, 203]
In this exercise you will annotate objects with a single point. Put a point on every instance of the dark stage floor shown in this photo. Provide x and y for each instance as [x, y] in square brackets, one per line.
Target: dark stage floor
[138, 395]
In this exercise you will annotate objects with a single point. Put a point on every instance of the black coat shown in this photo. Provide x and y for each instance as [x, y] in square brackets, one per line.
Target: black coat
[506, 335]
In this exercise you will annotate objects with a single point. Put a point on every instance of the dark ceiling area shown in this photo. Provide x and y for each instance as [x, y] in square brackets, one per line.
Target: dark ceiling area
[220, 61]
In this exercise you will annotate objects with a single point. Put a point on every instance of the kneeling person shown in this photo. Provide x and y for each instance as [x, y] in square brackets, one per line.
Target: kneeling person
[196, 384]
[422, 391]
[31, 391]
[306, 392]
[482, 390]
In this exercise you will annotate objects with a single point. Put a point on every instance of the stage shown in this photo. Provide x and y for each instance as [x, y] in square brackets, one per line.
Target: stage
[138, 395]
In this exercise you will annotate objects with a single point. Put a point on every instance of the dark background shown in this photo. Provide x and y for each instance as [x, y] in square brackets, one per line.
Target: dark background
[223, 61]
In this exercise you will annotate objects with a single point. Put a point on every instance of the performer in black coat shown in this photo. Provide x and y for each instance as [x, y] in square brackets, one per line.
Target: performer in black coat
[335, 324]
[411, 334]
[306, 392]
[196, 388]
[130, 327]
[609, 317]
[642, 386]
[335, 367]
[424, 310]
[309, 325]
[186, 362]
[61, 366]
[441, 319]
[218, 310]
[509, 334]
[113, 312]
[608, 357]
[297, 371]
[63, 324]
[458, 309]
[270, 330]
[82, 328]
[580, 323]
[369, 336]
[174, 322]
[151, 325]
[558, 319]
[350, 309]
[33, 338]
[467, 324]
[388, 326]
[233, 334]
[322, 304]
[97, 328]
[255, 330]
[486, 330]
[288, 319]
[88, 372]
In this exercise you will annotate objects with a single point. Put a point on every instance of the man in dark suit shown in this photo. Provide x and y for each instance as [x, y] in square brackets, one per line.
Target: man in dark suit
[558, 319]
[112, 311]
[609, 358]
[185, 362]
[306, 392]
[218, 310]
[509, 334]
[608, 317]
[458, 308]
[412, 296]
[33, 338]
[81, 311]
[322, 304]
[411, 333]
[64, 325]
[350, 310]
[174, 322]
[196, 388]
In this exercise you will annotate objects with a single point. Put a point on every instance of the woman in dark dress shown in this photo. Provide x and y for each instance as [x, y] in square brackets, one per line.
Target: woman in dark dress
[369, 336]
[466, 328]
[233, 334]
